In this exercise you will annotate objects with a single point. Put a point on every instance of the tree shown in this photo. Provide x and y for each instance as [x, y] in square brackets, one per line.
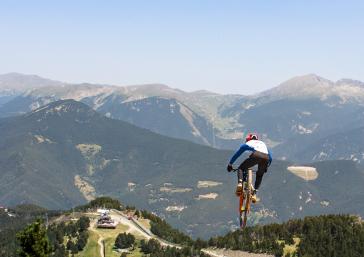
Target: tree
[69, 244]
[124, 240]
[33, 241]
[150, 247]
[60, 252]
[83, 223]
[81, 243]
[199, 244]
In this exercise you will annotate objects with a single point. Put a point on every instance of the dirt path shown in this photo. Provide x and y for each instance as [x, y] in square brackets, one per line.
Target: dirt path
[99, 241]
[231, 253]
[211, 253]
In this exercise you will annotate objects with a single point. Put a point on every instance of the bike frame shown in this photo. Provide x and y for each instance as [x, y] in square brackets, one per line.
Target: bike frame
[245, 199]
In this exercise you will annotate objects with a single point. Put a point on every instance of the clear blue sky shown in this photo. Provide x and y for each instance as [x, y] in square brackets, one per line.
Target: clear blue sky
[223, 46]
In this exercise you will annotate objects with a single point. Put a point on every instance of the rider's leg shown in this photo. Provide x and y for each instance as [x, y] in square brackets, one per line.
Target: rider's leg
[245, 165]
[242, 173]
[262, 160]
[262, 168]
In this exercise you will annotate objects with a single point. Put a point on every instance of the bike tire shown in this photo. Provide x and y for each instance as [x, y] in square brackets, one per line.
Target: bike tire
[241, 213]
[248, 197]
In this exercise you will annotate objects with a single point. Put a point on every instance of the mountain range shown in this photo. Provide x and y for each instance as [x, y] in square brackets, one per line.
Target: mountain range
[65, 153]
[295, 118]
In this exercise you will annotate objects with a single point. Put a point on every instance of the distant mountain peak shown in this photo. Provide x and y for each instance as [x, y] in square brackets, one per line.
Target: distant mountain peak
[310, 76]
[147, 87]
[308, 79]
[204, 92]
[309, 85]
[19, 82]
[18, 75]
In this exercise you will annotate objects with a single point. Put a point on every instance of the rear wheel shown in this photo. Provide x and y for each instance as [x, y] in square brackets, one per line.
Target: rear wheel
[248, 197]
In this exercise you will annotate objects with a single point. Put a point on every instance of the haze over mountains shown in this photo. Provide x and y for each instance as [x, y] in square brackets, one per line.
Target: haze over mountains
[65, 153]
[294, 118]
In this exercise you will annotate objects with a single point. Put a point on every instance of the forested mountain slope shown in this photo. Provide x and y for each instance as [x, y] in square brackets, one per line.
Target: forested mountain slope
[65, 153]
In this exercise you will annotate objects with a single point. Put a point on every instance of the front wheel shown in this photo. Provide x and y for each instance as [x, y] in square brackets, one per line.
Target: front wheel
[246, 211]
[248, 199]
[241, 209]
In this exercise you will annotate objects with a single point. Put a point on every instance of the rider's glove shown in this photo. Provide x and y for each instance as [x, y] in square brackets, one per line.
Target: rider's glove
[229, 167]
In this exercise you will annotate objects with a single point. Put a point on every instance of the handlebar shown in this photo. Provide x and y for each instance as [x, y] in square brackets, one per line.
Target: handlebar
[234, 170]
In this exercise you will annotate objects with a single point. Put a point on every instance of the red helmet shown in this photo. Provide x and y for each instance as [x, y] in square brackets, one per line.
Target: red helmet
[251, 136]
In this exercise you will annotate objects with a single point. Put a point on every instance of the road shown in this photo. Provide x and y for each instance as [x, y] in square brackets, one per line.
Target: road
[139, 228]
[133, 227]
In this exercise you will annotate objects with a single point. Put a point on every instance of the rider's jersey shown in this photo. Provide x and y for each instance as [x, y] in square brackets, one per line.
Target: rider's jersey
[252, 146]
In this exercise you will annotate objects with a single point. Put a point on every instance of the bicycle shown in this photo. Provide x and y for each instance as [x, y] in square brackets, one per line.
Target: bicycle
[245, 198]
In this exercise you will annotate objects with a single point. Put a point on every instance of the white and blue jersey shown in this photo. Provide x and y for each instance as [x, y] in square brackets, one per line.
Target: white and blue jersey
[252, 146]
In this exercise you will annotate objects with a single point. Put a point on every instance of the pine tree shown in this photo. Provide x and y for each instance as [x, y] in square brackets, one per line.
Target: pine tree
[33, 241]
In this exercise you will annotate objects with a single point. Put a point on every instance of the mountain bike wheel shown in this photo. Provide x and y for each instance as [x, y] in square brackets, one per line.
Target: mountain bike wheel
[248, 197]
[241, 207]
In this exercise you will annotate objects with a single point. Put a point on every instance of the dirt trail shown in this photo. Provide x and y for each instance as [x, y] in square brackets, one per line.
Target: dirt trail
[99, 241]
[231, 253]
[211, 253]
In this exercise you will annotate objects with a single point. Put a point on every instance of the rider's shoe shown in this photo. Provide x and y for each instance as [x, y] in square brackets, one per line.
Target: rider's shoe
[239, 189]
[255, 199]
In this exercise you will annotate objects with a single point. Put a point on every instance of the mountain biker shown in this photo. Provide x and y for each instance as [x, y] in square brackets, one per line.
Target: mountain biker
[260, 155]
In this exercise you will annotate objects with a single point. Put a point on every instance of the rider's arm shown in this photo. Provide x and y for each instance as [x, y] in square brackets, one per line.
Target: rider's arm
[270, 157]
[241, 150]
